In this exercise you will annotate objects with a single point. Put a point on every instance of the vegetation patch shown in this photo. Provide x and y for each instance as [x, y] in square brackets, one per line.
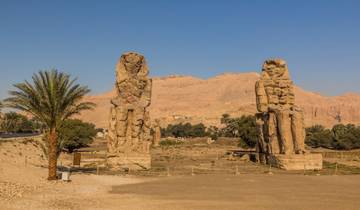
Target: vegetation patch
[340, 169]
[340, 137]
[170, 142]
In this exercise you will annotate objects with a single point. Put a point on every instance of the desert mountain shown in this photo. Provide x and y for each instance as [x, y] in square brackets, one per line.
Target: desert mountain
[189, 99]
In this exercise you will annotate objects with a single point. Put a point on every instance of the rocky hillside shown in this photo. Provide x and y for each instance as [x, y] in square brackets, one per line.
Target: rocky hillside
[185, 98]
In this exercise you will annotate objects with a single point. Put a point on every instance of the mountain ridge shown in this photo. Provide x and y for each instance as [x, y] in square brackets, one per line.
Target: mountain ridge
[182, 98]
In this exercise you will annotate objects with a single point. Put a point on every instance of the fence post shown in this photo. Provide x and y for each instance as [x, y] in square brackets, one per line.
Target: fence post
[97, 169]
[270, 172]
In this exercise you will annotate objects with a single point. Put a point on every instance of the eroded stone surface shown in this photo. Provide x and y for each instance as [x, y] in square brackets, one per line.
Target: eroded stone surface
[129, 136]
[297, 162]
[157, 133]
[1, 114]
[280, 123]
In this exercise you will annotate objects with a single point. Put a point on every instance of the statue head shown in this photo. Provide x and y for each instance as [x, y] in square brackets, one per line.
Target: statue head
[132, 63]
[276, 69]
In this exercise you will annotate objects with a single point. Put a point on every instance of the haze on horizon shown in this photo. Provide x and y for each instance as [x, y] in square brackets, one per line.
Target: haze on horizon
[320, 39]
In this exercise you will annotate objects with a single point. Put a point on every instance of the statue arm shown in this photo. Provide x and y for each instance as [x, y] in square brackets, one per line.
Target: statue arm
[261, 97]
[146, 96]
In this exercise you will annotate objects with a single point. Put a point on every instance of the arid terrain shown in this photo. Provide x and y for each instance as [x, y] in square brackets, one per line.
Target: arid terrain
[188, 175]
[180, 105]
[189, 99]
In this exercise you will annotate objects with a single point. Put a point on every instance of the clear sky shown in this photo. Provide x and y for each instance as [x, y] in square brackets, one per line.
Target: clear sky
[320, 39]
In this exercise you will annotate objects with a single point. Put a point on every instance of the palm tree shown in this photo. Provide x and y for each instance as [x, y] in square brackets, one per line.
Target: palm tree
[52, 97]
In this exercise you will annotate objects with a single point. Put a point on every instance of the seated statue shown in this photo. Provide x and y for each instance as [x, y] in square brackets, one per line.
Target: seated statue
[129, 129]
[280, 123]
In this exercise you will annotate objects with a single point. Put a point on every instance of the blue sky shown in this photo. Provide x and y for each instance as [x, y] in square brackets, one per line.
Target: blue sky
[320, 39]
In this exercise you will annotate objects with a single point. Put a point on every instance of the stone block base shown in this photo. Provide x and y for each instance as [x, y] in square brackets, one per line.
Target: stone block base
[296, 161]
[129, 161]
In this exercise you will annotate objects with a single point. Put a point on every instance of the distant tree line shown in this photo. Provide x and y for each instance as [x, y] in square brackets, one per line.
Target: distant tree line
[340, 137]
[13, 122]
[184, 130]
[73, 134]
[243, 128]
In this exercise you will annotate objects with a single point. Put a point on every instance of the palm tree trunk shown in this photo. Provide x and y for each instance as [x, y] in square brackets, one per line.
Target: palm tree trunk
[52, 154]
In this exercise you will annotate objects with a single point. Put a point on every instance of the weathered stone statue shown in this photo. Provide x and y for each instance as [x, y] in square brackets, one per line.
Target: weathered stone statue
[1, 114]
[280, 123]
[129, 136]
[157, 133]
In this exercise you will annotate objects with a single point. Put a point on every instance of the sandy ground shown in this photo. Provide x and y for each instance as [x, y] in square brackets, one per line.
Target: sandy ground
[23, 186]
[87, 192]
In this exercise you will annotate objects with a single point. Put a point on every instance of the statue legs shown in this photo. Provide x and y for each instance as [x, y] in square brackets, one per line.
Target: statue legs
[121, 125]
[137, 124]
[298, 131]
[281, 132]
[261, 144]
[112, 142]
[284, 130]
[272, 133]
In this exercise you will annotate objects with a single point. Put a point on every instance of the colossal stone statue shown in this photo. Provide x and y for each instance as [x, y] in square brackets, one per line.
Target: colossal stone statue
[1, 114]
[280, 123]
[129, 136]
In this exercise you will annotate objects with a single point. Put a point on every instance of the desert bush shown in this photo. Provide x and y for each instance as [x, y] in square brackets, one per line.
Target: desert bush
[184, 130]
[346, 136]
[243, 127]
[213, 132]
[169, 142]
[318, 136]
[75, 134]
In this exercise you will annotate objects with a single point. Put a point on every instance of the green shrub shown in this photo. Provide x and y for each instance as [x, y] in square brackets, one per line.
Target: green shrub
[318, 136]
[184, 130]
[346, 136]
[243, 127]
[75, 134]
[168, 142]
[342, 137]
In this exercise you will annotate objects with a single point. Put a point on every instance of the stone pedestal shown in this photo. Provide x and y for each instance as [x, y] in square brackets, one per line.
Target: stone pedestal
[296, 161]
[132, 162]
